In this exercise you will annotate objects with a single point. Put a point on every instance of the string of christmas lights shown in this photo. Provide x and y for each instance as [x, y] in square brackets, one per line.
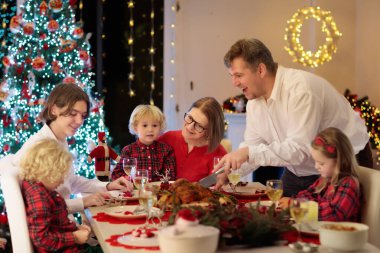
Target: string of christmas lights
[152, 67]
[131, 58]
[371, 115]
[293, 34]
[173, 8]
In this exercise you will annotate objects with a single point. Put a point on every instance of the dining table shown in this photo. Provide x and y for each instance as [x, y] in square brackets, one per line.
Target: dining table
[108, 229]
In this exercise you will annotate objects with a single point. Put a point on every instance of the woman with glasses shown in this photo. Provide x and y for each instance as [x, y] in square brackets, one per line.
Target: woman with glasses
[63, 114]
[196, 145]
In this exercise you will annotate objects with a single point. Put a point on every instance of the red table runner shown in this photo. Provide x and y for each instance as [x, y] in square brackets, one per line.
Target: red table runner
[103, 217]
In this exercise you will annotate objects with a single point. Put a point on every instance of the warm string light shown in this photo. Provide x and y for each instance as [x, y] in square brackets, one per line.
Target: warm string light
[173, 8]
[131, 58]
[371, 116]
[81, 11]
[152, 67]
[293, 33]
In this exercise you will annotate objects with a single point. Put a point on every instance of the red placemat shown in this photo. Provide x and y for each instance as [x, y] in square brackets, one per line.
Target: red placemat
[292, 236]
[103, 217]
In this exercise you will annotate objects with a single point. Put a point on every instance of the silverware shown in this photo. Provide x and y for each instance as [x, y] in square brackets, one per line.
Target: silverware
[210, 179]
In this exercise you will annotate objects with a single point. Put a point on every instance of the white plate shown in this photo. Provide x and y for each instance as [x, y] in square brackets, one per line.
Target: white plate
[120, 195]
[120, 212]
[245, 191]
[266, 203]
[130, 240]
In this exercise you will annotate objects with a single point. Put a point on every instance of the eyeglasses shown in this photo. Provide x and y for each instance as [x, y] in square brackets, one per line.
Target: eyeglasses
[188, 119]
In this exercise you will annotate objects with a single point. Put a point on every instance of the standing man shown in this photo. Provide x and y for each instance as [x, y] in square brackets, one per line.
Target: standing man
[285, 111]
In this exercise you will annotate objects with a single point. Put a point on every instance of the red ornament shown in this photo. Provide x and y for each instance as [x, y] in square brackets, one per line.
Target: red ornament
[67, 45]
[56, 66]
[55, 5]
[42, 36]
[38, 63]
[29, 28]
[7, 120]
[43, 8]
[52, 26]
[15, 24]
[69, 80]
[78, 33]
[83, 55]
[7, 61]
[28, 60]
[46, 46]
[6, 148]
[72, 3]
[19, 69]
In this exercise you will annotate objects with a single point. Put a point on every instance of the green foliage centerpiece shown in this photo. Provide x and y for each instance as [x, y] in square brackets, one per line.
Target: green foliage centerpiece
[252, 226]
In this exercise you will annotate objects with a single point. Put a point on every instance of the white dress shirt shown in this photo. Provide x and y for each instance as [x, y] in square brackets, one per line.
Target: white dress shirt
[279, 131]
[73, 183]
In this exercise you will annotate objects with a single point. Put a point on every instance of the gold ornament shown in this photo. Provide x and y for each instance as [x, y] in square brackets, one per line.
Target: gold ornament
[3, 95]
[293, 32]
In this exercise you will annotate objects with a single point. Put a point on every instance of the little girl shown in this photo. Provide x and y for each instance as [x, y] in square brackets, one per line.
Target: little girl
[147, 122]
[337, 191]
[43, 168]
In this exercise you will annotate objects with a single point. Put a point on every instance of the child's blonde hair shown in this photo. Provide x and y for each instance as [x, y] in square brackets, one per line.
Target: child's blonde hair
[142, 111]
[334, 144]
[48, 160]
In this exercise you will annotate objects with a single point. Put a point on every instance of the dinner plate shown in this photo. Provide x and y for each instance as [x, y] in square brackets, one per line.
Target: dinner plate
[266, 203]
[244, 191]
[123, 212]
[121, 195]
[130, 240]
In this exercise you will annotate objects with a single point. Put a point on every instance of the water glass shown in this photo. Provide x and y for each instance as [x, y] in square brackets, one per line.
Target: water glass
[140, 178]
[129, 165]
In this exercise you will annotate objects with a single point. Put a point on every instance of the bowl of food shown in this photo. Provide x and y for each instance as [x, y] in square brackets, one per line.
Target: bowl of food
[343, 236]
[188, 239]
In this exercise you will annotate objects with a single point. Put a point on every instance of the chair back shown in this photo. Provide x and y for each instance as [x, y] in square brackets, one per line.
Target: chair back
[14, 203]
[370, 182]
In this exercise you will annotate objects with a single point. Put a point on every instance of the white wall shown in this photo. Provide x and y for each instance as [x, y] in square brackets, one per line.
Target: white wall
[205, 29]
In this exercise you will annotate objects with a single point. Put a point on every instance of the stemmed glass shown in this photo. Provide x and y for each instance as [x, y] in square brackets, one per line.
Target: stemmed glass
[234, 178]
[274, 190]
[146, 202]
[298, 210]
[140, 178]
[129, 165]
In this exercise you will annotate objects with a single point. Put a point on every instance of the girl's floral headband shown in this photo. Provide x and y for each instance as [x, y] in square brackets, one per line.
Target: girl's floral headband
[319, 141]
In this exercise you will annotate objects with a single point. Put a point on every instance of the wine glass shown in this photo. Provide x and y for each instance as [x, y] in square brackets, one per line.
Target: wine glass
[129, 165]
[234, 178]
[298, 210]
[146, 202]
[274, 190]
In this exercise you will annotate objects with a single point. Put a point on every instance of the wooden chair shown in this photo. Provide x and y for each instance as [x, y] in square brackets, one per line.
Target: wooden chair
[370, 181]
[14, 203]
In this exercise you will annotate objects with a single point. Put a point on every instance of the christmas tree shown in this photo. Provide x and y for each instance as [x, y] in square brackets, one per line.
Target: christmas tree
[49, 47]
